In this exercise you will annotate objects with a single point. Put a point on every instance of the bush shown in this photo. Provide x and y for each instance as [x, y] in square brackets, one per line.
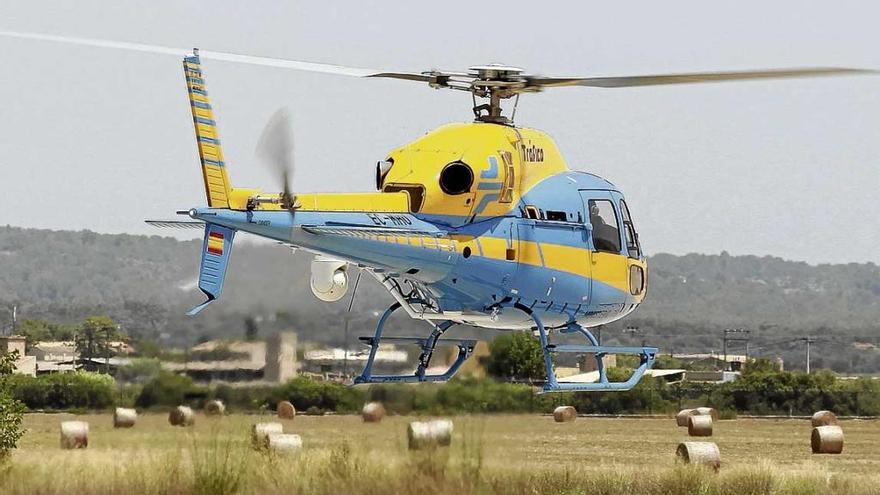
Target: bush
[139, 370]
[10, 424]
[304, 393]
[516, 355]
[63, 391]
[166, 389]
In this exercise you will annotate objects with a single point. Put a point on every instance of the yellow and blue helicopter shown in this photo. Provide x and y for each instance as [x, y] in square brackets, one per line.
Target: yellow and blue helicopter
[479, 223]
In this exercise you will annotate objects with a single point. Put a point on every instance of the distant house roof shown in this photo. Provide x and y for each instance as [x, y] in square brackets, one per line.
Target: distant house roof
[54, 350]
[232, 365]
[53, 367]
[731, 358]
[593, 376]
[338, 355]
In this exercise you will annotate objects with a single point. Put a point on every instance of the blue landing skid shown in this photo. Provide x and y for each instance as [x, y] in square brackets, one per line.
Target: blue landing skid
[427, 344]
[647, 356]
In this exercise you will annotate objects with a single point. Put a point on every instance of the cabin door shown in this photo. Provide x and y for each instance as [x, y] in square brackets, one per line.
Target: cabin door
[607, 250]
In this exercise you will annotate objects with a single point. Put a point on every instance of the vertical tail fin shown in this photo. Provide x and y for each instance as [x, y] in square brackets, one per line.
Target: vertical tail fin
[217, 184]
[216, 248]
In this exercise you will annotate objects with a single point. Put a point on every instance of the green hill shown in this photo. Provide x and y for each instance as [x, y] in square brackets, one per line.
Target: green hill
[147, 283]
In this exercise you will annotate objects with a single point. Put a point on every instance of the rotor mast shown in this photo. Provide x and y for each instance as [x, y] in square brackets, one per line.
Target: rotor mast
[496, 82]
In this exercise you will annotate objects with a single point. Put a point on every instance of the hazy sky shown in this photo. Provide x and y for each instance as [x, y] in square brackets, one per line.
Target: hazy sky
[102, 139]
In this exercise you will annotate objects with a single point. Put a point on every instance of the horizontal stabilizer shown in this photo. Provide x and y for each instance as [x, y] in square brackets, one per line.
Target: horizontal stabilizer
[216, 248]
[176, 224]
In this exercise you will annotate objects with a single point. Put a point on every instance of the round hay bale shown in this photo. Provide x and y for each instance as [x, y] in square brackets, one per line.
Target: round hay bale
[260, 433]
[700, 426]
[181, 416]
[827, 439]
[74, 434]
[429, 434]
[564, 414]
[708, 411]
[373, 412]
[701, 453]
[681, 419]
[823, 418]
[284, 443]
[215, 408]
[124, 418]
[286, 410]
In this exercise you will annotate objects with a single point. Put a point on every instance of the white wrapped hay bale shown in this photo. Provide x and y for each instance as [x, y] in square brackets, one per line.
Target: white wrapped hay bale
[285, 410]
[681, 419]
[700, 453]
[823, 418]
[284, 443]
[215, 408]
[827, 439]
[74, 434]
[564, 414]
[182, 416]
[700, 425]
[124, 417]
[260, 433]
[429, 434]
[373, 412]
[708, 411]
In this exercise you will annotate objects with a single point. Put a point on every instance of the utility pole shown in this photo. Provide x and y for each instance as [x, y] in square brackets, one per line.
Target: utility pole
[736, 332]
[635, 331]
[809, 341]
[14, 318]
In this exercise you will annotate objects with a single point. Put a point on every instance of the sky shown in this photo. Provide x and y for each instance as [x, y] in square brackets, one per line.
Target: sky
[101, 139]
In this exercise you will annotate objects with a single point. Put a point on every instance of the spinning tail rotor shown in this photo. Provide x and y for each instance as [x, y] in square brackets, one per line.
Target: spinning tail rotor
[275, 148]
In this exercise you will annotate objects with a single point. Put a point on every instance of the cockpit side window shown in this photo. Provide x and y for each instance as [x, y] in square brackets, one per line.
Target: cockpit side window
[606, 230]
[632, 237]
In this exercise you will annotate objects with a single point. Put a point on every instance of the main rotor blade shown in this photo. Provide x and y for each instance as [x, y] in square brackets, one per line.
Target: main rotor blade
[693, 77]
[223, 56]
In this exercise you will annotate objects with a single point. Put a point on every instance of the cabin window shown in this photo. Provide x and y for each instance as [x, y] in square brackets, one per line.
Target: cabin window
[532, 212]
[606, 231]
[416, 194]
[556, 216]
[629, 231]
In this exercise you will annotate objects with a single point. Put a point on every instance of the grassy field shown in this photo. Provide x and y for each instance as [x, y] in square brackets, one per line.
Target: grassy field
[490, 454]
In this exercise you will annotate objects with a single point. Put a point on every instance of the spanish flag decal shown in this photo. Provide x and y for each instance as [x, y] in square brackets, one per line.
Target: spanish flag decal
[215, 243]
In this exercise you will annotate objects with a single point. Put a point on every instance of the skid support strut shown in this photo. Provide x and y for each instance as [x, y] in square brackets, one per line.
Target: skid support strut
[647, 356]
[427, 345]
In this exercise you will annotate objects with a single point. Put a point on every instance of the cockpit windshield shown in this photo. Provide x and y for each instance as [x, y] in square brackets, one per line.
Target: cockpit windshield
[632, 237]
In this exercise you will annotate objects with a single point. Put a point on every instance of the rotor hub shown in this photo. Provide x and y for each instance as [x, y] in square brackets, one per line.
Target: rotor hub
[499, 72]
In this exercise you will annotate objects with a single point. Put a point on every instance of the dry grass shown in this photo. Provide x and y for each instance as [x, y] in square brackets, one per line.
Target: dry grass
[490, 454]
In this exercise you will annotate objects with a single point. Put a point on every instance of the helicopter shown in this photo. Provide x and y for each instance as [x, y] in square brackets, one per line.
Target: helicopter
[480, 223]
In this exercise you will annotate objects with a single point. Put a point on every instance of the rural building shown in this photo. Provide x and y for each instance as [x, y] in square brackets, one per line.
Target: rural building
[54, 351]
[273, 360]
[24, 365]
[712, 360]
[336, 360]
[280, 357]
